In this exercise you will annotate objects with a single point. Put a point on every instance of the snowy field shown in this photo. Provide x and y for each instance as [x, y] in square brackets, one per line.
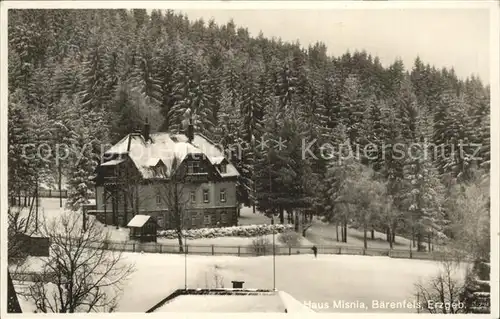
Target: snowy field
[325, 280]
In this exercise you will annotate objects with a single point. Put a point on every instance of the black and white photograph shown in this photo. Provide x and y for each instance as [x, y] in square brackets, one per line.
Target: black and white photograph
[249, 157]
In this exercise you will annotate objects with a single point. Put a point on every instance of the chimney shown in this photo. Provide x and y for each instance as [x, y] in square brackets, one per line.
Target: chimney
[190, 131]
[187, 125]
[147, 130]
[237, 284]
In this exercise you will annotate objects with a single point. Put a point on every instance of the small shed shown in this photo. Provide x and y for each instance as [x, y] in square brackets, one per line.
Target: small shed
[143, 228]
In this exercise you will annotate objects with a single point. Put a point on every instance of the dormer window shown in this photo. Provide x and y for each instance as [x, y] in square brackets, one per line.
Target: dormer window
[194, 168]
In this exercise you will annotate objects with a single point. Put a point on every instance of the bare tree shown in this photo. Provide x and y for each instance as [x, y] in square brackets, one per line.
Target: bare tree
[174, 195]
[79, 275]
[442, 294]
[365, 194]
[16, 254]
[389, 217]
[16, 228]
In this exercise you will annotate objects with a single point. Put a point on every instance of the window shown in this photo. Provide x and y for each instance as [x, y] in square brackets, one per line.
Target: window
[158, 198]
[193, 196]
[223, 217]
[193, 221]
[194, 168]
[205, 196]
[213, 219]
[223, 168]
[223, 195]
[206, 219]
[104, 198]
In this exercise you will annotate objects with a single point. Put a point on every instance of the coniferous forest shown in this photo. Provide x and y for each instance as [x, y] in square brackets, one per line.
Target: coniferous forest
[86, 78]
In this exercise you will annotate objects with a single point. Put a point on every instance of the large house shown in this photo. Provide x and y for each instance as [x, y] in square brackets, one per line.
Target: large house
[154, 174]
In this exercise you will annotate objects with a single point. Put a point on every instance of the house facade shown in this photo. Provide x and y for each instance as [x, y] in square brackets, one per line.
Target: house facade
[179, 179]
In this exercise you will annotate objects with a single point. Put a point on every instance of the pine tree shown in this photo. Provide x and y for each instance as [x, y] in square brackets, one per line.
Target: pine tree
[20, 167]
[352, 111]
[334, 186]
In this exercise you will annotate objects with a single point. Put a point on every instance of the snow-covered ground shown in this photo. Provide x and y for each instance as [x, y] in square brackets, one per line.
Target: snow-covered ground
[50, 209]
[331, 278]
[325, 280]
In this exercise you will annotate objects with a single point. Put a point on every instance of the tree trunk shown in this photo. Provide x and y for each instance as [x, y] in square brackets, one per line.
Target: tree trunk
[413, 237]
[373, 234]
[345, 231]
[365, 233]
[59, 182]
[337, 230]
[429, 241]
[297, 221]
[419, 241]
[12, 300]
[304, 231]
[253, 207]
[239, 210]
[292, 220]
[179, 238]
[393, 233]
[36, 207]
[105, 200]
[282, 215]
[115, 210]
[125, 208]
[390, 235]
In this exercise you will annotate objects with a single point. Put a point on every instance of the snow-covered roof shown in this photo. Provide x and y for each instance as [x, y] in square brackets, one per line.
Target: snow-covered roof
[166, 147]
[217, 159]
[224, 303]
[113, 162]
[231, 300]
[138, 221]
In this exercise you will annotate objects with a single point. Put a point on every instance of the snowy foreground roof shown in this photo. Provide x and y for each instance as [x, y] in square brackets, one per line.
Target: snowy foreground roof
[166, 147]
[138, 221]
[230, 300]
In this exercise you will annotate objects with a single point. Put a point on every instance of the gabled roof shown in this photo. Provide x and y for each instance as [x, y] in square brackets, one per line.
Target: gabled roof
[165, 147]
[138, 221]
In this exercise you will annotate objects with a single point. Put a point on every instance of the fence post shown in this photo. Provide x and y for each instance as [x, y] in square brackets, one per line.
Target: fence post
[50, 193]
[213, 250]
[133, 247]
[238, 251]
[161, 248]
[289, 251]
[187, 249]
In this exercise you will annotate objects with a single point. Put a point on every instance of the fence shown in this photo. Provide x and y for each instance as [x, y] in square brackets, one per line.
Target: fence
[49, 193]
[251, 250]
